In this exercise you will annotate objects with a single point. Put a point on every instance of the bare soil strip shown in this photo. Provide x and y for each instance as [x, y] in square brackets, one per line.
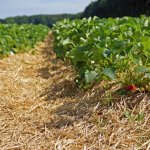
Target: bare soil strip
[41, 109]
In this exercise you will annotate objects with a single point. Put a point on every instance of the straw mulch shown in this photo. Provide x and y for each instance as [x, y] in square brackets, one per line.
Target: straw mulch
[41, 109]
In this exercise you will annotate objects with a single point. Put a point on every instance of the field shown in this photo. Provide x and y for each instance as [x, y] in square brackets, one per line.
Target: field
[20, 38]
[85, 87]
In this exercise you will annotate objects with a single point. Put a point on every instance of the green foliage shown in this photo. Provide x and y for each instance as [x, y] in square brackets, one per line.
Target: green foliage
[105, 49]
[20, 38]
[90, 76]
[134, 117]
[110, 72]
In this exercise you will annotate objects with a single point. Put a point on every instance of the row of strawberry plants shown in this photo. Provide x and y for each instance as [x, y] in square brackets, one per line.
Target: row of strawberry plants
[104, 49]
[20, 38]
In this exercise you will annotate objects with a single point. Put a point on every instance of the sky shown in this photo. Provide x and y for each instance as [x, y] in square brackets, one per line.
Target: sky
[33, 7]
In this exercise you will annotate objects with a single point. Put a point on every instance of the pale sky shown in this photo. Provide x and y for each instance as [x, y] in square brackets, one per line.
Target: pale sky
[33, 7]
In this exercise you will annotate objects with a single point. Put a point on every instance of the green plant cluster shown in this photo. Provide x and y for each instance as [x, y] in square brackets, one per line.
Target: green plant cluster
[20, 38]
[104, 49]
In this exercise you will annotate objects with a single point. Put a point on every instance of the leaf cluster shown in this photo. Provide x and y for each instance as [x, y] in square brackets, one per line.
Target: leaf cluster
[105, 49]
[20, 38]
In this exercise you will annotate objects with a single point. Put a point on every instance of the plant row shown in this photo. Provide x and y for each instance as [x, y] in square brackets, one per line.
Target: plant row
[106, 49]
[20, 38]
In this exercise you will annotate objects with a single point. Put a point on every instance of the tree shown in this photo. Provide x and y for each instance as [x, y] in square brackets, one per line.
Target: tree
[117, 8]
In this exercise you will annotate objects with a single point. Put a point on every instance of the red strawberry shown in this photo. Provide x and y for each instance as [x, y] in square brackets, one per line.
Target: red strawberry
[131, 87]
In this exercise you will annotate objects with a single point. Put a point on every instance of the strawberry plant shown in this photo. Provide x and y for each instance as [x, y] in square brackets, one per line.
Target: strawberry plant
[106, 49]
[20, 38]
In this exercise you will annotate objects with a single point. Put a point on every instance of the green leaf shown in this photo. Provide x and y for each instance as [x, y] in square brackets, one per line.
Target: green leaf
[142, 69]
[106, 53]
[110, 72]
[127, 114]
[147, 75]
[66, 41]
[83, 40]
[90, 76]
[145, 40]
[146, 23]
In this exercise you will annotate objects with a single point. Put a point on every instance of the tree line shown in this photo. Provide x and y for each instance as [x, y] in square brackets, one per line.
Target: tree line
[48, 20]
[117, 8]
[100, 8]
